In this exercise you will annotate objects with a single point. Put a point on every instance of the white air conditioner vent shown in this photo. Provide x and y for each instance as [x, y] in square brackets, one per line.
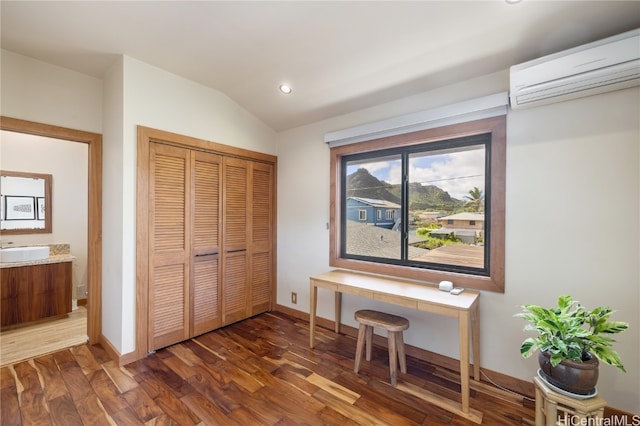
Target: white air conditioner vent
[601, 66]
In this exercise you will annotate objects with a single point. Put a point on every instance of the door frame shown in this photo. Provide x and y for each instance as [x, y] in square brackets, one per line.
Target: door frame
[94, 232]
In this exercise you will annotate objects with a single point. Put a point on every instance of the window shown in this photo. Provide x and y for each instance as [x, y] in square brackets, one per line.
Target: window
[362, 214]
[380, 215]
[448, 186]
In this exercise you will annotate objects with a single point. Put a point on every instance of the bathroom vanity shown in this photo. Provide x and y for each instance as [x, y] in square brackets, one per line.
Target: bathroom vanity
[35, 290]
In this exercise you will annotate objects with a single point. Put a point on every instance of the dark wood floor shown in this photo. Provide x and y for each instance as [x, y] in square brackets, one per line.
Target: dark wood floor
[256, 372]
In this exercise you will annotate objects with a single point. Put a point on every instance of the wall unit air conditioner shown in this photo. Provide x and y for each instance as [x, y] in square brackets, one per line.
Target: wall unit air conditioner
[602, 66]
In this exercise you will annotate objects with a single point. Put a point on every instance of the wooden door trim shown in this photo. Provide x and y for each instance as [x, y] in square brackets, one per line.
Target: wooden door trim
[146, 136]
[161, 136]
[94, 249]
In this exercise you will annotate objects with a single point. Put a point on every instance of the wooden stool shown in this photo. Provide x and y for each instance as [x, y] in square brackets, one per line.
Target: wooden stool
[394, 325]
[549, 402]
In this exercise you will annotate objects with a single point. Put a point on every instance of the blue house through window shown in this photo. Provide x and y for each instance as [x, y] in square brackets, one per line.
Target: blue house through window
[372, 212]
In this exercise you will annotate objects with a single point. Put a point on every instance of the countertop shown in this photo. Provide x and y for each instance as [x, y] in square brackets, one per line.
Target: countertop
[56, 258]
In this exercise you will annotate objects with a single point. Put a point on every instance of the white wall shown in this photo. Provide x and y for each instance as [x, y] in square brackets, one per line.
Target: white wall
[573, 216]
[112, 207]
[44, 93]
[67, 162]
[572, 224]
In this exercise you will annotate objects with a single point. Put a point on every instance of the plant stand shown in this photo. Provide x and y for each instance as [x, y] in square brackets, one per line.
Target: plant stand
[550, 403]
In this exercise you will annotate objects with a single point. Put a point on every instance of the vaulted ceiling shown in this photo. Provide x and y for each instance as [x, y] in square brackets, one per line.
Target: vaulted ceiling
[338, 56]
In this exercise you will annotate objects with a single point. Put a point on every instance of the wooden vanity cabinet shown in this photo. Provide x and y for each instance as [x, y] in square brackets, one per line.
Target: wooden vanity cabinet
[15, 305]
[35, 292]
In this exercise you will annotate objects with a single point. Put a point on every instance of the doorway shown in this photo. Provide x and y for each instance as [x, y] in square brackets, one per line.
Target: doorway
[94, 232]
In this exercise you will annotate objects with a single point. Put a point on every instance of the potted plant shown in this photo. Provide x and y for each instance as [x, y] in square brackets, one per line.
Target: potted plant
[571, 340]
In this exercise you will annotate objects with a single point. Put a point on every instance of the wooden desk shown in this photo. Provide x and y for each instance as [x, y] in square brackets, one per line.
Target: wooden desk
[426, 298]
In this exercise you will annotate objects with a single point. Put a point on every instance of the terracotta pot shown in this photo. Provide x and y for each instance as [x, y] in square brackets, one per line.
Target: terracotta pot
[572, 376]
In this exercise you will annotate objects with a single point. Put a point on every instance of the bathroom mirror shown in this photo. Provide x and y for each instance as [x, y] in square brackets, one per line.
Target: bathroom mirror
[25, 203]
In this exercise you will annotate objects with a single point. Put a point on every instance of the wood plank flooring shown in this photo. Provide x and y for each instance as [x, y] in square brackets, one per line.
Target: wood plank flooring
[256, 372]
[43, 338]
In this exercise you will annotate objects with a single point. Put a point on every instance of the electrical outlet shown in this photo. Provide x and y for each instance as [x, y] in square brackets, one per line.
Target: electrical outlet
[294, 297]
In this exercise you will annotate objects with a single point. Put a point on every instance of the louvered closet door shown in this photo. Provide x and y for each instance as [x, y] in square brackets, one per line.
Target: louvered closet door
[169, 245]
[235, 291]
[261, 236]
[206, 223]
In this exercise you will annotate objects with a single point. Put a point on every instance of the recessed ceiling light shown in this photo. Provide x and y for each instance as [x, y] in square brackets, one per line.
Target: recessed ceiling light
[285, 89]
[513, 1]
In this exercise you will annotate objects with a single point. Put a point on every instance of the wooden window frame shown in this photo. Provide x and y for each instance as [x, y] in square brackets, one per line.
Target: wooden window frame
[496, 127]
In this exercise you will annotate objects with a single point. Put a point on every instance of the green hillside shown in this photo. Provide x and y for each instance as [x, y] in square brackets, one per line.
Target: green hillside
[421, 197]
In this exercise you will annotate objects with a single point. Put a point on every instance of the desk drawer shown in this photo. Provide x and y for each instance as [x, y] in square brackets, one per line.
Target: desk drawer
[440, 310]
[362, 292]
[396, 300]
